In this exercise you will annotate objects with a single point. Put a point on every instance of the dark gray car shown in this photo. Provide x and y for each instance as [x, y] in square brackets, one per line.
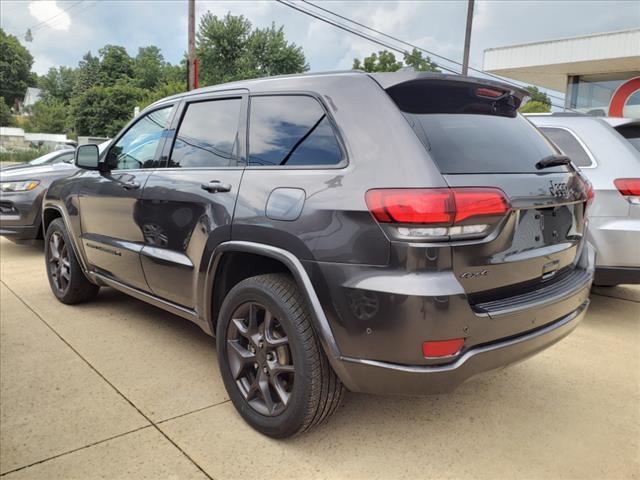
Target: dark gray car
[387, 233]
[22, 188]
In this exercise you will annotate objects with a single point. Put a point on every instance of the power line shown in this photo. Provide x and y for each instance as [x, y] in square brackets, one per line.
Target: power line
[497, 77]
[43, 23]
[355, 32]
[76, 14]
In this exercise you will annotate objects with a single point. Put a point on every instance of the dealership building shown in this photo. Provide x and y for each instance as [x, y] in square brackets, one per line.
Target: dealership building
[598, 74]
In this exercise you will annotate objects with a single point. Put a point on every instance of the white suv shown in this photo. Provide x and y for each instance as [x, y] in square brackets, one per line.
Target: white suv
[606, 150]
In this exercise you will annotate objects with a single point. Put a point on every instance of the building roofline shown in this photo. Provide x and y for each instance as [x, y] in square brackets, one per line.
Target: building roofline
[564, 39]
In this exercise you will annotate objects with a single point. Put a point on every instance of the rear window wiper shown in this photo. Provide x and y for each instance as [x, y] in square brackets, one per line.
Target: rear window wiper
[553, 161]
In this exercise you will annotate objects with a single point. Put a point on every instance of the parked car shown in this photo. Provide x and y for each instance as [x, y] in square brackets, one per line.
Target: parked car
[387, 233]
[64, 156]
[606, 150]
[22, 188]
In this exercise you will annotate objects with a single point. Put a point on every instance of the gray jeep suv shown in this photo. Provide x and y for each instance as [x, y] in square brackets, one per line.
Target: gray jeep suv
[387, 233]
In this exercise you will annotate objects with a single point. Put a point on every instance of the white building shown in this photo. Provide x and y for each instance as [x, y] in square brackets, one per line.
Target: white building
[598, 73]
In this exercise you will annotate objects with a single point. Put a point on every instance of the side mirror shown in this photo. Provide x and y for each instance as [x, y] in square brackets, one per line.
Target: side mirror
[87, 157]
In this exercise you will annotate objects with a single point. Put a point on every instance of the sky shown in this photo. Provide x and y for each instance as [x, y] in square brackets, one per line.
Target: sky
[63, 31]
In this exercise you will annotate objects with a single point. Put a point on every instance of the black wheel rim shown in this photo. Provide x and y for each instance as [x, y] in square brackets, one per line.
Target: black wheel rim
[260, 358]
[59, 265]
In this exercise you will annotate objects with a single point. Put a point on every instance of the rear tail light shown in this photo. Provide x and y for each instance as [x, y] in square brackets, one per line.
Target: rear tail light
[629, 188]
[442, 348]
[489, 92]
[438, 212]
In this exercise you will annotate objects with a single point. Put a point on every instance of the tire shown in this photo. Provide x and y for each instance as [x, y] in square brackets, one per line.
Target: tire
[313, 390]
[66, 279]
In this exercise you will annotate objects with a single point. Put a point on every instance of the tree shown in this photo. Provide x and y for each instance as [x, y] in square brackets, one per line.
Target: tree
[534, 106]
[103, 111]
[58, 83]
[538, 96]
[230, 49]
[149, 67]
[383, 61]
[15, 68]
[50, 116]
[420, 64]
[88, 73]
[115, 65]
[5, 115]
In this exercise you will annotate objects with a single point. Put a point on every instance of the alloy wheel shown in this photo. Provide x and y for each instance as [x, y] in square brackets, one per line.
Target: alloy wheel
[59, 263]
[260, 358]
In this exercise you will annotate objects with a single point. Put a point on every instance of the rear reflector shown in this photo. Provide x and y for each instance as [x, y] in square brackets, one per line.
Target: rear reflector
[435, 206]
[442, 348]
[629, 188]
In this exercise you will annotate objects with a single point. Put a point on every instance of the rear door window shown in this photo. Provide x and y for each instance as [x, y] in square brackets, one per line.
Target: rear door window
[569, 145]
[208, 134]
[291, 131]
[479, 143]
[631, 133]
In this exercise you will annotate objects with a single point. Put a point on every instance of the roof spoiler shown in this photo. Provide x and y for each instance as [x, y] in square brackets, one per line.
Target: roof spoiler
[420, 92]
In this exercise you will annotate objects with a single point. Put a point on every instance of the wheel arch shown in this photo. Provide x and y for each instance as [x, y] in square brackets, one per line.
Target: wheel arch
[264, 259]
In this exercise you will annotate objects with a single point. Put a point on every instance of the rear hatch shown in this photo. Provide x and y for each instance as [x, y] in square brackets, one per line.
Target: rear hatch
[473, 133]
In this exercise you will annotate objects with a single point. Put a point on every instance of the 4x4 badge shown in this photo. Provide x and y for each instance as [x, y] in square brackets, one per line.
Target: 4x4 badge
[480, 273]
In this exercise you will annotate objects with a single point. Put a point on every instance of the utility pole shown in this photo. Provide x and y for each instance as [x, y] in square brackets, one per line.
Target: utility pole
[467, 38]
[191, 52]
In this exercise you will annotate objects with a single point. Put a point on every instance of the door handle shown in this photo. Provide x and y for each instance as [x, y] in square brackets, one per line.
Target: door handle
[215, 186]
[130, 185]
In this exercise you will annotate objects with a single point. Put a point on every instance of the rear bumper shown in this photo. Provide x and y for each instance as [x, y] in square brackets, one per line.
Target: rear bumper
[369, 376]
[609, 276]
[379, 324]
[617, 241]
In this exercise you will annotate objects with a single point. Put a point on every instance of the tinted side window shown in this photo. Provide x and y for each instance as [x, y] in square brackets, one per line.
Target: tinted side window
[137, 147]
[569, 145]
[208, 134]
[291, 130]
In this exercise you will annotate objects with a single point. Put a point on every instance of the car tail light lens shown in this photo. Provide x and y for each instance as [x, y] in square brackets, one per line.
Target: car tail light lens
[442, 348]
[488, 92]
[629, 188]
[438, 212]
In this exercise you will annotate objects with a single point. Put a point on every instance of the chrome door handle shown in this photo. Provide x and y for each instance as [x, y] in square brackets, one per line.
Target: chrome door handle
[130, 185]
[215, 186]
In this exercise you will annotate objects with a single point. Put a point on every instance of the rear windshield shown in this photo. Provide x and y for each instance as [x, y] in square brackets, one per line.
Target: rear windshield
[477, 143]
[631, 133]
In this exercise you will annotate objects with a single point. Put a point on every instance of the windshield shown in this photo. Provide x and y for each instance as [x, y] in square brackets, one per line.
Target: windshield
[472, 143]
[46, 158]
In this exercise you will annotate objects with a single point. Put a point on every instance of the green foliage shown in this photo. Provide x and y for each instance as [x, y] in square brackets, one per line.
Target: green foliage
[50, 116]
[5, 115]
[88, 73]
[115, 65]
[230, 49]
[420, 64]
[15, 68]
[162, 91]
[105, 110]
[385, 61]
[22, 156]
[538, 96]
[534, 107]
[148, 67]
[58, 83]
